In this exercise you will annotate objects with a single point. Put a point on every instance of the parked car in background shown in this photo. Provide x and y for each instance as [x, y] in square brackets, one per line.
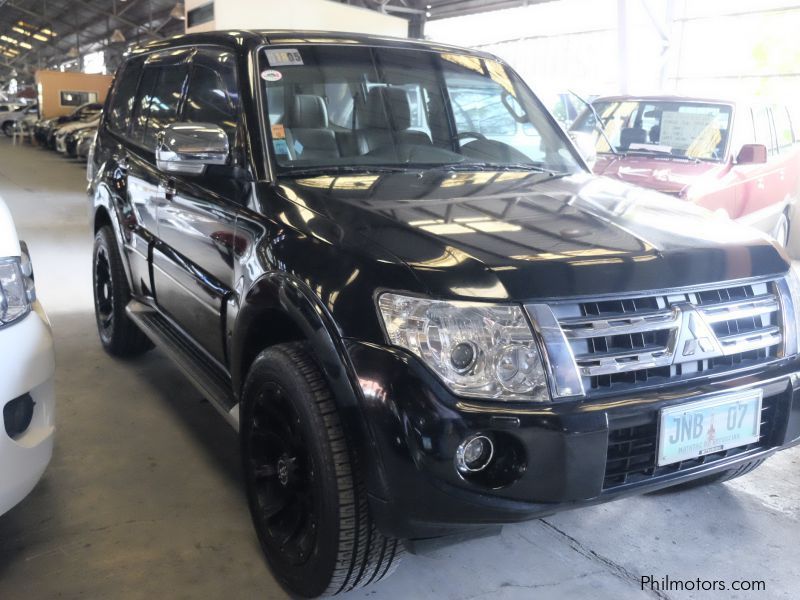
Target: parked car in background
[10, 106]
[65, 135]
[83, 142]
[45, 130]
[564, 106]
[8, 120]
[27, 398]
[423, 318]
[738, 158]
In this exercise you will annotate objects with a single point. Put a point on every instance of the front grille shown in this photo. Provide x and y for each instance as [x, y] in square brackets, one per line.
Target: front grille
[653, 339]
[631, 454]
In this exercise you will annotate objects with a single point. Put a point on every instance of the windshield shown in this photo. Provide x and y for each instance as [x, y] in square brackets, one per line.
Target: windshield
[684, 129]
[360, 108]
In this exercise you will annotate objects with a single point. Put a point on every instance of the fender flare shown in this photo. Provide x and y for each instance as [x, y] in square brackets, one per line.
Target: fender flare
[292, 298]
[103, 198]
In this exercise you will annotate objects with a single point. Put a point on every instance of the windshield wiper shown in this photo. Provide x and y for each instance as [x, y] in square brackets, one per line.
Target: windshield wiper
[495, 167]
[658, 153]
[597, 124]
[336, 169]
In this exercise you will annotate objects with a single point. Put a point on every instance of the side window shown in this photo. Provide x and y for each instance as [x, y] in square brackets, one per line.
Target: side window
[142, 106]
[783, 128]
[121, 108]
[164, 101]
[763, 129]
[213, 91]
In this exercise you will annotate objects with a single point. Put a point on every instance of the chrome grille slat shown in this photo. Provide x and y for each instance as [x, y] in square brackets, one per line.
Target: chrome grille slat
[588, 327]
[657, 337]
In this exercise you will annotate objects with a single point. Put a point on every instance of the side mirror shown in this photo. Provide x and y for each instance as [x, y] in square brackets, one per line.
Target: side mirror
[190, 147]
[585, 144]
[752, 154]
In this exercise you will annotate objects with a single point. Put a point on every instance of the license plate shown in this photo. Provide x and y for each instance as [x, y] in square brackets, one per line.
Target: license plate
[692, 430]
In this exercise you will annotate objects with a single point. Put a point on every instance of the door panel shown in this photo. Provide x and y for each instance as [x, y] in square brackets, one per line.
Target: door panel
[193, 265]
[193, 269]
[143, 195]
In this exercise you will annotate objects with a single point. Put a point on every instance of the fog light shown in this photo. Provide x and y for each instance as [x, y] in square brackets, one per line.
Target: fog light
[17, 415]
[474, 454]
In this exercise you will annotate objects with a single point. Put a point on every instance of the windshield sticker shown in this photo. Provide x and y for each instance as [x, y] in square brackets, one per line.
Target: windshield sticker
[281, 147]
[271, 75]
[283, 57]
[278, 132]
[681, 129]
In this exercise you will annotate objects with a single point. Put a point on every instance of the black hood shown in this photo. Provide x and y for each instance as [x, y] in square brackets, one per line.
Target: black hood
[521, 236]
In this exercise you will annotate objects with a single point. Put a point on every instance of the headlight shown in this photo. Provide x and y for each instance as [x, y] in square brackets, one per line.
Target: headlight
[477, 349]
[17, 291]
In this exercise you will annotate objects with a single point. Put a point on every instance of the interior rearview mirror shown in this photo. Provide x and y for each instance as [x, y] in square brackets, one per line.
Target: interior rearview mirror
[752, 154]
[190, 147]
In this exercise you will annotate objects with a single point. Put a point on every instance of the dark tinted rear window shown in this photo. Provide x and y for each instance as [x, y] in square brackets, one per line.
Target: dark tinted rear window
[121, 108]
[142, 105]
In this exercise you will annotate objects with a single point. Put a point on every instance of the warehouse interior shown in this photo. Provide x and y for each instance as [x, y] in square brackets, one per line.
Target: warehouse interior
[144, 494]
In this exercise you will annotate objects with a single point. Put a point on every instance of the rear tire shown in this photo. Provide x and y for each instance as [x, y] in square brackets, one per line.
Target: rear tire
[308, 502]
[119, 335]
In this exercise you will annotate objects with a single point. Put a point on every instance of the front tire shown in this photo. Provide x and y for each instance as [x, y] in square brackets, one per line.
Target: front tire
[119, 335]
[307, 500]
[8, 128]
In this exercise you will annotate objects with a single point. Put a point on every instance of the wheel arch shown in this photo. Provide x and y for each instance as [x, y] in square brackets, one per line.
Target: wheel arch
[280, 308]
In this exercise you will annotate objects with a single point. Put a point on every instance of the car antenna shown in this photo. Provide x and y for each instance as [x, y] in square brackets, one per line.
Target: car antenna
[596, 122]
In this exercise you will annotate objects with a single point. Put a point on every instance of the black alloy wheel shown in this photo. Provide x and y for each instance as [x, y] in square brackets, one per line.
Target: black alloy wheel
[307, 500]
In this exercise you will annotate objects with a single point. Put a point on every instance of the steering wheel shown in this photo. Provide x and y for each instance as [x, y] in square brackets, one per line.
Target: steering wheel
[471, 134]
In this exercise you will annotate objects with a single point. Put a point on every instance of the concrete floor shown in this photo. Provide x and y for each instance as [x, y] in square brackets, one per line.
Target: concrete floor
[143, 498]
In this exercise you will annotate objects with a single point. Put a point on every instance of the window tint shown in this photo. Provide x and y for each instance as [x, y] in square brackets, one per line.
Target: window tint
[164, 101]
[121, 109]
[763, 128]
[783, 127]
[213, 94]
[142, 106]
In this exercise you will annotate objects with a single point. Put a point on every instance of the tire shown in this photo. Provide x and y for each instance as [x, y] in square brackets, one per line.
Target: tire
[306, 497]
[720, 477]
[119, 335]
[781, 231]
[8, 128]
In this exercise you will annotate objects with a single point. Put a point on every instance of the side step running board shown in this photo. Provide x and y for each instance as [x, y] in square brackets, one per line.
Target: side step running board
[206, 376]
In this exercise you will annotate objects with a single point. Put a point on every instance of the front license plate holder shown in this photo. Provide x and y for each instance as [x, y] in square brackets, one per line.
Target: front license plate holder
[692, 430]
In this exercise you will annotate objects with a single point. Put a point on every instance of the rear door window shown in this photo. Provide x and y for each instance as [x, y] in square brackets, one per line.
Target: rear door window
[124, 97]
[142, 107]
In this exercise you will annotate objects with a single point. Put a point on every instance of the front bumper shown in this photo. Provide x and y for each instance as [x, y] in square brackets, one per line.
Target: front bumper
[27, 367]
[557, 454]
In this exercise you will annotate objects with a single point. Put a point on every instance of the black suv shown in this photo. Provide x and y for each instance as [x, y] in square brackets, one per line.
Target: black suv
[386, 265]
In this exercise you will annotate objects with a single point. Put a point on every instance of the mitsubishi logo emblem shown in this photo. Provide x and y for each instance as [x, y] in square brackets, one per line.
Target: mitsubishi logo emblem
[695, 339]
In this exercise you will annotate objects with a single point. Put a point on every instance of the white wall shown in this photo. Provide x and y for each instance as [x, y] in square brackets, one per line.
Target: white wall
[299, 14]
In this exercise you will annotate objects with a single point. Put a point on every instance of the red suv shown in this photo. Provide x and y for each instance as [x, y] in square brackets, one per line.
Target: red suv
[739, 158]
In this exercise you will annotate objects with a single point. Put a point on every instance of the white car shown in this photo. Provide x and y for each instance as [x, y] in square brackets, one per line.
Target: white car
[8, 120]
[27, 397]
